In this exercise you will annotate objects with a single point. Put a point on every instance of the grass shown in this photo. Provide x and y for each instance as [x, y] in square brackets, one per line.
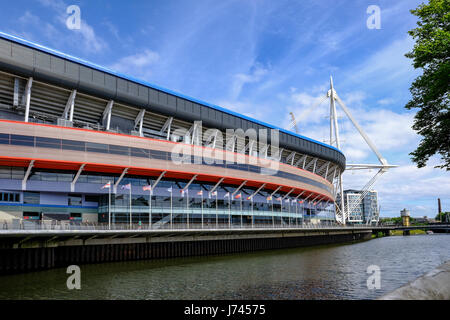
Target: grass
[412, 232]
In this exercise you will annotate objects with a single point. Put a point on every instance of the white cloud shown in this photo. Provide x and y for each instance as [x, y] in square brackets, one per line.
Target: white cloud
[386, 101]
[138, 65]
[256, 73]
[85, 36]
[388, 130]
[249, 109]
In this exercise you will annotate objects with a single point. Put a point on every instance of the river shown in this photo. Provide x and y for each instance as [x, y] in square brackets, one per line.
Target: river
[321, 272]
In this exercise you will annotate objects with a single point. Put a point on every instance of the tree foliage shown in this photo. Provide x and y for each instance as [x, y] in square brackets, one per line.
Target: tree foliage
[431, 90]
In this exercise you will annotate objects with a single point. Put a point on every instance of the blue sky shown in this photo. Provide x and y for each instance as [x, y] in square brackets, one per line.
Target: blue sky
[265, 59]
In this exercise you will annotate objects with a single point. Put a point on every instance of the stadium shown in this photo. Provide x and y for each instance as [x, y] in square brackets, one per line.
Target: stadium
[83, 144]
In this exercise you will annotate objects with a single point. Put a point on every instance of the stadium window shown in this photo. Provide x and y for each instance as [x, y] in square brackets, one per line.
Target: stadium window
[73, 145]
[138, 152]
[4, 138]
[96, 147]
[88, 198]
[123, 151]
[5, 173]
[74, 200]
[20, 140]
[43, 142]
[31, 197]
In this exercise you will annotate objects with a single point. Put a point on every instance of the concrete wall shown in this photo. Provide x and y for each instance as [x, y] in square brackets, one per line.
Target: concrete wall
[434, 285]
[44, 252]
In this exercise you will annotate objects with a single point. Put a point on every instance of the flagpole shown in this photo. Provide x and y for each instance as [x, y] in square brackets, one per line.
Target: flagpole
[109, 206]
[130, 206]
[187, 207]
[289, 212]
[240, 198]
[273, 218]
[202, 208]
[229, 210]
[150, 209]
[217, 213]
[253, 217]
[281, 212]
[171, 190]
[303, 215]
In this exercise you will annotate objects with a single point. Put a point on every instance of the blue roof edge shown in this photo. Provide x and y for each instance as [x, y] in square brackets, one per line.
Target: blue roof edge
[153, 86]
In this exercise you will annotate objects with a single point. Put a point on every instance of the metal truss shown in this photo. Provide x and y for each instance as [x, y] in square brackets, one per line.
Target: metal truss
[347, 208]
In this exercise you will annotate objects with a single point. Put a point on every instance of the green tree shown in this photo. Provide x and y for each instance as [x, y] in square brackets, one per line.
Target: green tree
[443, 216]
[431, 90]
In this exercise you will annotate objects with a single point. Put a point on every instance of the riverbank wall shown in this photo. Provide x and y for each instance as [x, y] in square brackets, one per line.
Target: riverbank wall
[435, 285]
[24, 251]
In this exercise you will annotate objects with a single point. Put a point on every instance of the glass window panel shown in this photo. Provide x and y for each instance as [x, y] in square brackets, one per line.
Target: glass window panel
[20, 140]
[89, 198]
[49, 176]
[74, 200]
[4, 138]
[123, 151]
[17, 173]
[31, 197]
[138, 152]
[94, 179]
[5, 173]
[159, 154]
[96, 147]
[48, 143]
[65, 177]
[73, 145]
[35, 176]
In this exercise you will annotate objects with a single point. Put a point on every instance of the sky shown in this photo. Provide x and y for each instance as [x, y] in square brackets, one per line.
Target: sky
[265, 59]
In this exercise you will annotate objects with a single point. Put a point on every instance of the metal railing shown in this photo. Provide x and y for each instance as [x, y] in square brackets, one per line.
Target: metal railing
[81, 226]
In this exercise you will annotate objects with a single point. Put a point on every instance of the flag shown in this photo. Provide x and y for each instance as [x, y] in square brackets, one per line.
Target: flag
[249, 198]
[147, 188]
[227, 195]
[200, 193]
[214, 193]
[300, 201]
[182, 192]
[126, 186]
[170, 189]
[108, 185]
[279, 199]
[269, 198]
[238, 196]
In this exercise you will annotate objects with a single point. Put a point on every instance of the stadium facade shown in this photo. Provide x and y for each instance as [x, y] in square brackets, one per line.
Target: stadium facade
[83, 143]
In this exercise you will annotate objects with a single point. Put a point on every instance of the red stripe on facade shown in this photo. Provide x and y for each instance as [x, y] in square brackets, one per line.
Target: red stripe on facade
[156, 140]
[153, 172]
